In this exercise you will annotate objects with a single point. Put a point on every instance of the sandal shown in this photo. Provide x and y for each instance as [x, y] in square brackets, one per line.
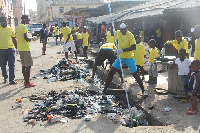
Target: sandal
[189, 109]
[184, 101]
[191, 112]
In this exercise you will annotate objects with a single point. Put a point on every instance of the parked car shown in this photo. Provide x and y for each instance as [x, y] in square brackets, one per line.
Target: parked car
[35, 29]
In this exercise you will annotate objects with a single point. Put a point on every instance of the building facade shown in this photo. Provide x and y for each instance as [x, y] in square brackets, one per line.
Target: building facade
[33, 16]
[52, 11]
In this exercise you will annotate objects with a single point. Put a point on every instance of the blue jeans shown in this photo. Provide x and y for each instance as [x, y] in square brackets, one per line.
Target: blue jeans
[7, 55]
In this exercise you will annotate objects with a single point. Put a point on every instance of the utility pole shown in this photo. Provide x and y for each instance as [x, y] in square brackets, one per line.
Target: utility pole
[24, 8]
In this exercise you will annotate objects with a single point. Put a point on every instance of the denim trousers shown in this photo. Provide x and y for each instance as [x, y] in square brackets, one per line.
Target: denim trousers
[7, 55]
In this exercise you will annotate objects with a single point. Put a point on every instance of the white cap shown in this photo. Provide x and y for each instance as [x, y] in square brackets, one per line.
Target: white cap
[85, 27]
[122, 26]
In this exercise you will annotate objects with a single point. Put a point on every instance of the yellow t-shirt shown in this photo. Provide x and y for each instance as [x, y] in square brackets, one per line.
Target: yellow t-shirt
[158, 32]
[125, 41]
[56, 30]
[85, 38]
[6, 35]
[76, 28]
[183, 44]
[139, 54]
[78, 35]
[153, 54]
[22, 44]
[108, 45]
[109, 38]
[197, 50]
[65, 31]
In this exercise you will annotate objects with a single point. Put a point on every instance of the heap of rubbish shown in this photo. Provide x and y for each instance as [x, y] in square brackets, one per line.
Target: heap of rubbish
[65, 70]
[80, 103]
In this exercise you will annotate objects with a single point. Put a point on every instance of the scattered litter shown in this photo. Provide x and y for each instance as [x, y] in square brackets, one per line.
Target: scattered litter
[167, 109]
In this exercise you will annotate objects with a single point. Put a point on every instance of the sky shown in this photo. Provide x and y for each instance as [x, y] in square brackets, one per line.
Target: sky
[29, 4]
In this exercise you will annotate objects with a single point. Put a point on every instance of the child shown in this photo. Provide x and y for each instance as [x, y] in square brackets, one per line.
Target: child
[197, 42]
[153, 71]
[183, 70]
[139, 55]
[194, 86]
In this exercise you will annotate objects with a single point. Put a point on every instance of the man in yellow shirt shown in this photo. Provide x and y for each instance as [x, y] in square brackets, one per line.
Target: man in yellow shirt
[179, 42]
[7, 53]
[23, 47]
[78, 39]
[139, 55]
[69, 42]
[85, 36]
[56, 32]
[153, 71]
[126, 45]
[197, 42]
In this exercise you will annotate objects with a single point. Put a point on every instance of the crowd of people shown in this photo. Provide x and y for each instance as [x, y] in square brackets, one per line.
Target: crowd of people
[119, 47]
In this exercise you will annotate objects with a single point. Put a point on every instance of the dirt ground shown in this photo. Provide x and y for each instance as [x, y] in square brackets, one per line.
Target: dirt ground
[11, 120]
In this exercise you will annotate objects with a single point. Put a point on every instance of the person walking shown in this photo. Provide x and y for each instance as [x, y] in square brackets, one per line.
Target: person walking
[23, 47]
[56, 33]
[43, 38]
[68, 38]
[85, 36]
[126, 45]
[7, 53]
[78, 39]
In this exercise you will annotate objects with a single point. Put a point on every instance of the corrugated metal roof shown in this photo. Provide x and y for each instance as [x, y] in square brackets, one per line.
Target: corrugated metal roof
[151, 8]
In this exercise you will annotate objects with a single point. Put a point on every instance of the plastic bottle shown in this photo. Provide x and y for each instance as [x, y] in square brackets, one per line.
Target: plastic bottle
[17, 105]
[56, 118]
[53, 79]
[134, 111]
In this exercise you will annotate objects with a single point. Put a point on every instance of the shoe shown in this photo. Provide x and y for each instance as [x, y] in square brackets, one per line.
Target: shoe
[29, 85]
[190, 109]
[12, 83]
[191, 112]
[184, 101]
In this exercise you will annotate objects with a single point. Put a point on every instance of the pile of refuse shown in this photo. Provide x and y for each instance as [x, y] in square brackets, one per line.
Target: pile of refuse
[84, 103]
[65, 70]
[80, 103]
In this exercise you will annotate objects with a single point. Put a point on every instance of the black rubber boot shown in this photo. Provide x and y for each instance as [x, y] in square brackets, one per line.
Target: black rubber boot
[154, 80]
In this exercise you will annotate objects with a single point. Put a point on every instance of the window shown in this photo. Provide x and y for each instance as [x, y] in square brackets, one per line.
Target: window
[61, 9]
